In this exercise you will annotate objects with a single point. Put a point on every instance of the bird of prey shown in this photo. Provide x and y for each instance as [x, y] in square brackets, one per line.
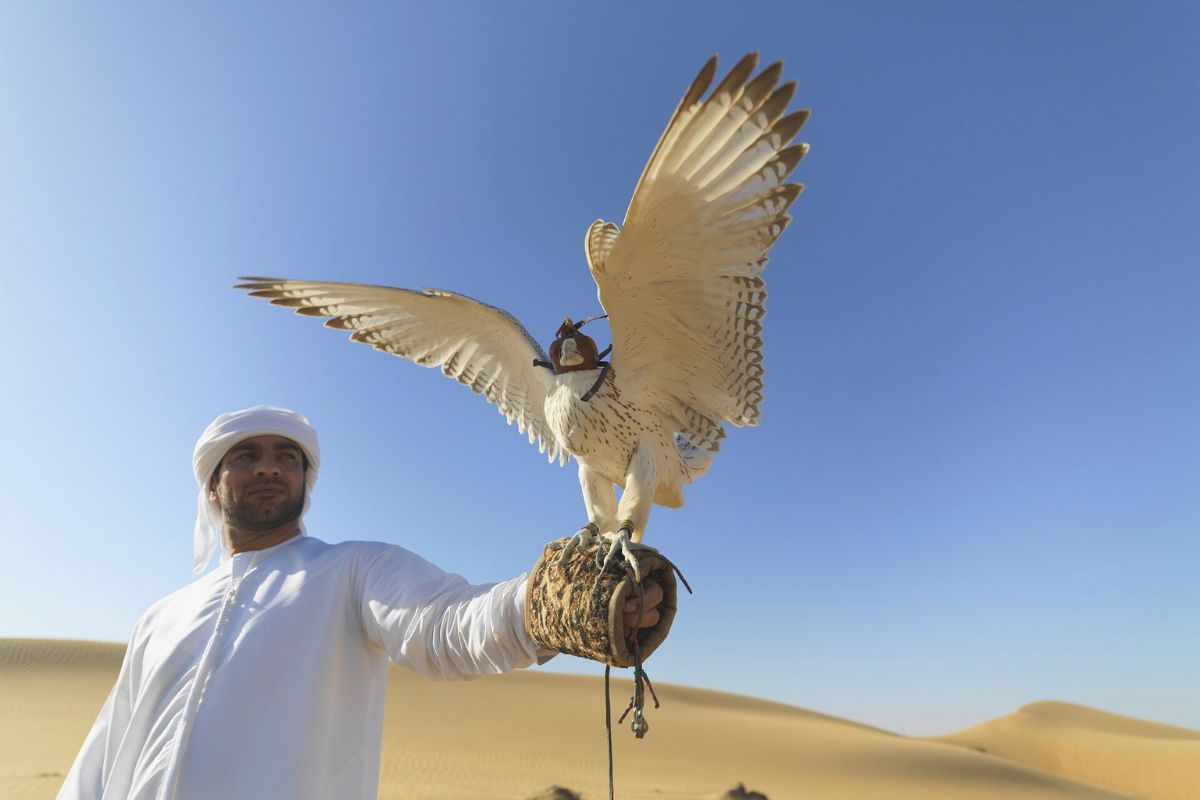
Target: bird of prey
[681, 284]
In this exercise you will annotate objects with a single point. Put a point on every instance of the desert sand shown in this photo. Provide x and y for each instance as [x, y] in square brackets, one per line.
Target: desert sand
[515, 736]
[1144, 759]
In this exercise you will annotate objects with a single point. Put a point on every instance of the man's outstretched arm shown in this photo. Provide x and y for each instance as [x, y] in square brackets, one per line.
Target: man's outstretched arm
[442, 627]
[439, 625]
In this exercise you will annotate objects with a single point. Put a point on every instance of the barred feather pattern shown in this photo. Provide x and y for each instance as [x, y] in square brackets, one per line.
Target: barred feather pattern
[701, 431]
[482, 347]
[681, 279]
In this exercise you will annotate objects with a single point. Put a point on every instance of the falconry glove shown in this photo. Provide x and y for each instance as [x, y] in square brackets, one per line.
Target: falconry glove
[574, 607]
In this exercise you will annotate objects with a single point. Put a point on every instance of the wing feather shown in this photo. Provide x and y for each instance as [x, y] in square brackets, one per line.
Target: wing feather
[482, 347]
[681, 280]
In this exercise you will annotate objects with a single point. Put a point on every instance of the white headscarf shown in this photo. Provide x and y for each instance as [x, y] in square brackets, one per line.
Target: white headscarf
[217, 439]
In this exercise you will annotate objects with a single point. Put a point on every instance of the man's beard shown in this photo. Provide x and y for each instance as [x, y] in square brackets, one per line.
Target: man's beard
[244, 514]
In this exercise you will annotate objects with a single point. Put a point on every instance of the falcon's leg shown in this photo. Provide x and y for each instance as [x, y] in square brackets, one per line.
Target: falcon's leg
[600, 502]
[634, 509]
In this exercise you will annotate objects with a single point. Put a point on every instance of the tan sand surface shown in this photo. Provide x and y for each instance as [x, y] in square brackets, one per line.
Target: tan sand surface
[1130, 755]
[514, 736]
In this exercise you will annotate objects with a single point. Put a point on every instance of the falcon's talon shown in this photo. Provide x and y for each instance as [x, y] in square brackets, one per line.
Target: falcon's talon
[622, 544]
[585, 536]
[620, 538]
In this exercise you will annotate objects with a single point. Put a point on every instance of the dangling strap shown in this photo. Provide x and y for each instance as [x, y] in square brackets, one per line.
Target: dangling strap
[599, 382]
[608, 729]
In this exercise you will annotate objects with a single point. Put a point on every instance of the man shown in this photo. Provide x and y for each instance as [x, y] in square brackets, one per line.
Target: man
[266, 677]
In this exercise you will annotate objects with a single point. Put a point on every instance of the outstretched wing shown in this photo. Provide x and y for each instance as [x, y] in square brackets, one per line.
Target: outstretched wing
[681, 281]
[480, 346]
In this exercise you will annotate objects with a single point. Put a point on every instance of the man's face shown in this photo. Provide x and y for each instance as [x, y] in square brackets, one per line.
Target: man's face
[260, 483]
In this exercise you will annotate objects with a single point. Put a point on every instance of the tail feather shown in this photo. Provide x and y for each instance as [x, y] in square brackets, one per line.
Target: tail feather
[696, 459]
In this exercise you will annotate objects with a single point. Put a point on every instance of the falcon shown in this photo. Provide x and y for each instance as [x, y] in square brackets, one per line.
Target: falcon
[681, 284]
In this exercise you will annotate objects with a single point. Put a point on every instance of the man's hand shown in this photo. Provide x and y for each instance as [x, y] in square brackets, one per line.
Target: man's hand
[654, 595]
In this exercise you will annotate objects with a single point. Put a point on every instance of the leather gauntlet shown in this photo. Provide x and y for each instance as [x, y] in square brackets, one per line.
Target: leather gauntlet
[575, 609]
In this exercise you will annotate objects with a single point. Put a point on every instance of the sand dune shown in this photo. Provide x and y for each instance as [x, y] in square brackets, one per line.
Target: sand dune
[1130, 755]
[518, 735]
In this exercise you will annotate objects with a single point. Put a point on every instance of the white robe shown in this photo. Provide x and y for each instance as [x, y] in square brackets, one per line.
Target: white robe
[266, 677]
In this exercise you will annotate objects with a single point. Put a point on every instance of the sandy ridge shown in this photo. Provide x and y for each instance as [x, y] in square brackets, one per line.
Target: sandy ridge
[1147, 759]
[515, 735]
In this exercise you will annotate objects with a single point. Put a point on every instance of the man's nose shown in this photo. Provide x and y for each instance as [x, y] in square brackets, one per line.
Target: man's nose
[267, 466]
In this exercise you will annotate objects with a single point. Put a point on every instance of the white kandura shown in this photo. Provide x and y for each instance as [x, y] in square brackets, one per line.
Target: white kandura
[266, 677]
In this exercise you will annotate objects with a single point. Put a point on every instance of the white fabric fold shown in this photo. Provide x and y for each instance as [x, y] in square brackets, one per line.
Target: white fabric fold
[266, 678]
[225, 432]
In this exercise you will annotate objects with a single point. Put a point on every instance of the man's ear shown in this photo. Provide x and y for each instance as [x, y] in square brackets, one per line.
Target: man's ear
[212, 484]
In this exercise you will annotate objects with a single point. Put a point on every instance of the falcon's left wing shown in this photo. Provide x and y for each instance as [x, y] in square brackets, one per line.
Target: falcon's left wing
[482, 347]
[681, 282]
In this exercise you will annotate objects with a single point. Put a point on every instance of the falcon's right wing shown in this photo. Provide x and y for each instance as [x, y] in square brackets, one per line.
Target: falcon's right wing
[480, 346]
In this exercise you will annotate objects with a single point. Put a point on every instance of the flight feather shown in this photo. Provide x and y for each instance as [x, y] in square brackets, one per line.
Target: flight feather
[681, 280]
[482, 347]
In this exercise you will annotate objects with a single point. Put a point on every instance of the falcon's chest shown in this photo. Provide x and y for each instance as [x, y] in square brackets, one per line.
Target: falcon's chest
[605, 425]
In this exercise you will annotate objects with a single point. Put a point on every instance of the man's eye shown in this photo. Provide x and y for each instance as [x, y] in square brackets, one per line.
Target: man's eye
[289, 455]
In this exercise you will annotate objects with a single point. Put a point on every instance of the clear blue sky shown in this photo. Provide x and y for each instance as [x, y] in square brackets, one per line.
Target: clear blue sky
[975, 484]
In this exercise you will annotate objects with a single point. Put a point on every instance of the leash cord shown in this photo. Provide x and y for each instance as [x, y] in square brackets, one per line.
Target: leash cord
[641, 681]
[608, 728]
